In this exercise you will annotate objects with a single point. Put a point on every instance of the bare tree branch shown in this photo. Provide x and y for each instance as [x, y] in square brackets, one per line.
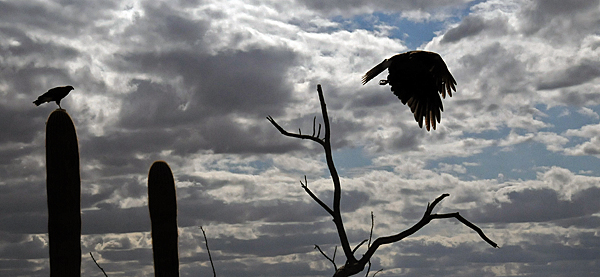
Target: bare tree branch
[356, 247]
[352, 265]
[369, 245]
[337, 192]
[353, 268]
[427, 217]
[98, 264]
[208, 250]
[327, 257]
[299, 135]
[314, 197]
[468, 224]
[377, 272]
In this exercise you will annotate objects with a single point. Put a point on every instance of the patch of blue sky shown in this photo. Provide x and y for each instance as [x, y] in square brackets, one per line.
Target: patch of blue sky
[521, 161]
[489, 134]
[349, 160]
[412, 34]
[564, 118]
[415, 33]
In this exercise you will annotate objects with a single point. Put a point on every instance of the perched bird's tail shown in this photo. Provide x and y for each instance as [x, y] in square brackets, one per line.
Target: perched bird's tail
[42, 99]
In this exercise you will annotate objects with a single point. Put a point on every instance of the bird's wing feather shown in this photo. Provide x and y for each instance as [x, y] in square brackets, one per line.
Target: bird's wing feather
[376, 71]
[418, 78]
[443, 78]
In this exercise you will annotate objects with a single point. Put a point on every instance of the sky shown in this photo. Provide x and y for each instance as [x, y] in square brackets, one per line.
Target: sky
[191, 82]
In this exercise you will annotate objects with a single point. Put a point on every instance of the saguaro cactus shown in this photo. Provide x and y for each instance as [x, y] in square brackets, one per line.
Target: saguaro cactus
[63, 186]
[162, 203]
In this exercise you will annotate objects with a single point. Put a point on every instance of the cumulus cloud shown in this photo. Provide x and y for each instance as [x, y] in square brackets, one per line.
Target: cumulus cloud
[191, 82]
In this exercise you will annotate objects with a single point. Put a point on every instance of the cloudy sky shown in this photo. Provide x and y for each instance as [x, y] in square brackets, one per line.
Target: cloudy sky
[191, 82]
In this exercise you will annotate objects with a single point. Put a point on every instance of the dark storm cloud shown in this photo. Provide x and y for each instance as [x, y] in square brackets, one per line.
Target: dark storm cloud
[586, 221]
[281, 244]
[370, 100]
[560, 22]
[498, 69]
[473, 26]
[17, 125]
[408, 140]
[578, 97]
[281, 268]
[23, 207]
[25, 45]
[199, 208]
[40, 70]
[538, 205]
[250, 82]
[538, 259]
[116, 152]
[22, 197]
[237, 256]
[33, 79]
[296, 228]
[216, 90]
[34, 248]
[137, 255]
[69, 18]
[11, 267]
[129, 221]
[583, 72]
[25, 222]
[164, 27]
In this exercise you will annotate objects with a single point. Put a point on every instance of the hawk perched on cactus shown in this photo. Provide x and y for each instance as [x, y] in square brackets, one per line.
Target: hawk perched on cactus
[55, 94]
[417, 78]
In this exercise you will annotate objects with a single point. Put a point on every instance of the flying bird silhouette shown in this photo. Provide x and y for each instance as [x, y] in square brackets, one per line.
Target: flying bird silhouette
[55, 94]
[416, 78]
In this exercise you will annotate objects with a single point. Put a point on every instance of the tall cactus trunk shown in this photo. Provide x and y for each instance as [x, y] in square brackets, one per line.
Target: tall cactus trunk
[162, 203]
[63, 187]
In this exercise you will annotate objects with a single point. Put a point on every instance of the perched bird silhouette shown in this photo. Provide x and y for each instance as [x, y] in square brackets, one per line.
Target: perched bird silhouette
[55, 94]
[416, 78]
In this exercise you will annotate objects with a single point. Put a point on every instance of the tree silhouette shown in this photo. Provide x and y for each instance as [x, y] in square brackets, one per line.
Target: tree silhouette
[354, 265]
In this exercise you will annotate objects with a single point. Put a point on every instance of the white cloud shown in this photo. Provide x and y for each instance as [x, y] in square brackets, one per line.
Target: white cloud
[191, 82]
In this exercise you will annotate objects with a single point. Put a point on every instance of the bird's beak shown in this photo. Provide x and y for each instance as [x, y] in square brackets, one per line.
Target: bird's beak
[383, 82]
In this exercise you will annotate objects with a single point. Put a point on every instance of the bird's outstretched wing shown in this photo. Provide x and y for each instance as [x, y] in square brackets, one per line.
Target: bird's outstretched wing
[418, 78]
[443, 78]
[376, 71]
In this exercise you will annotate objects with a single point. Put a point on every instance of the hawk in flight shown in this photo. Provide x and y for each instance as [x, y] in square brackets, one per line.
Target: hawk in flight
[55, 94]
[416, 78]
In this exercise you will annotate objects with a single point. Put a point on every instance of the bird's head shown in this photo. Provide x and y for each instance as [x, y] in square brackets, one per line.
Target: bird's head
[70, 88]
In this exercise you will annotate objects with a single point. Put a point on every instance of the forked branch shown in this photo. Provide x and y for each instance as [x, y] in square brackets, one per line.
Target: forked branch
[332, 260]
[351, 269]
[352, 265]
[337, 192]
[314, 197]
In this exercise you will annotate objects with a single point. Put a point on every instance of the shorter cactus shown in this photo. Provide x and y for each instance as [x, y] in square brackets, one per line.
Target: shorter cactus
[162, 202]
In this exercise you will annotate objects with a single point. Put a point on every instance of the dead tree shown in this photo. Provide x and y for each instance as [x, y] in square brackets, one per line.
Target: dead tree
[355, 265]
